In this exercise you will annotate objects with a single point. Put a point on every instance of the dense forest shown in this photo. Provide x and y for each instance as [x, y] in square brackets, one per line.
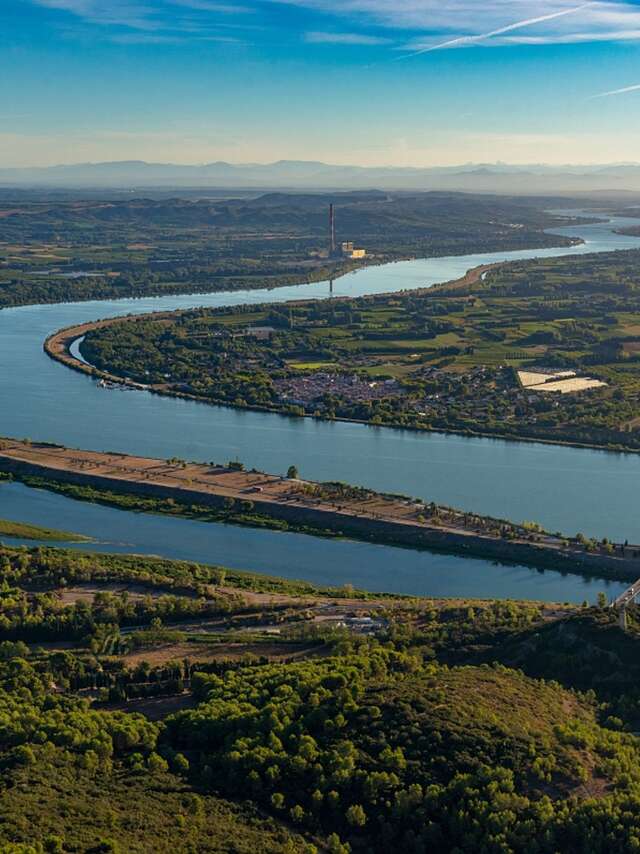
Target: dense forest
[450, 726]
[61, 250]
[445, 359]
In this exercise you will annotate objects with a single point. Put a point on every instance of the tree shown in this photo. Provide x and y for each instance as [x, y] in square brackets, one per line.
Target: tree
[180, 763]
[155, 762]
[356, 816]
[297, 814]
[277, 800]
[335, 846]
[292, 473]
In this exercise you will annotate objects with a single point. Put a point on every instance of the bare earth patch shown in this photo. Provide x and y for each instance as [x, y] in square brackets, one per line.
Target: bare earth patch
[218, 652]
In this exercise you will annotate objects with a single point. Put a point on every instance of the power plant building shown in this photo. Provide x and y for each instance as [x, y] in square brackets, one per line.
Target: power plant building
[347, 249]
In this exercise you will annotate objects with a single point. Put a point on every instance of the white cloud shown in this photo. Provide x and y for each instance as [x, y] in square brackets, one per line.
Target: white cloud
[574, 38]
[151, 15]
[208, 6]
[438, 15]
[143, 38]
[469, 21]
[154, 38]
[432, 24]
[112, 12]
[344, 38]
[78, 7]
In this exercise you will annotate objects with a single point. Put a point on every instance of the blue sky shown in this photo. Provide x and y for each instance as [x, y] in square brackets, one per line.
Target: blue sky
[375, 82]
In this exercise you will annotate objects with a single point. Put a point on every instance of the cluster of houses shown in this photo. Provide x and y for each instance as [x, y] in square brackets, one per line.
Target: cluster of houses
[309, 388]
[475, 394]
[481, 388]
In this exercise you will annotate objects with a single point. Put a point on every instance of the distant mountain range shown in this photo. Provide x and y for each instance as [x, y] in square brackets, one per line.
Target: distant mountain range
[312, 175]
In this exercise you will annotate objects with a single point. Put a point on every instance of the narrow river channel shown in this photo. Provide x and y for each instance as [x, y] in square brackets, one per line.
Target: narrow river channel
[330, 562]
[564, 488]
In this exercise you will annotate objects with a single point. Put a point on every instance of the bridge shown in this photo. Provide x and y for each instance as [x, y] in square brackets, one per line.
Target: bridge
[622, 602]
[628, 596]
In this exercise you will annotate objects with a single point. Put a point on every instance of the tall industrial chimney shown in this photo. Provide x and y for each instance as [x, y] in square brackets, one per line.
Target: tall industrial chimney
[332, 232]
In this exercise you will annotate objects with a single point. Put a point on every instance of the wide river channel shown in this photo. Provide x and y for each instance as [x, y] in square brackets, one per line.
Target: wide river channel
[563, 488]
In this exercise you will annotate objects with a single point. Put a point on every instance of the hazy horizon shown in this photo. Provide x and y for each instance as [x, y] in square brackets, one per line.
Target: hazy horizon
[407, 83]
[496, 164]
[316, 176]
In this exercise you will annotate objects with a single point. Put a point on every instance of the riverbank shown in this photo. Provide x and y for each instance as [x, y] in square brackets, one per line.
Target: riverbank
[101, 283]
[40, 294]
[58, 344]
[23, 531]
[313, 507]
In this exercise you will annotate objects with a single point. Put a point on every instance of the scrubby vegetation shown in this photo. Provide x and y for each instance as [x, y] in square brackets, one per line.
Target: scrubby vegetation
[392, 754]
[35, 605]
[74, 779]
[419, 735]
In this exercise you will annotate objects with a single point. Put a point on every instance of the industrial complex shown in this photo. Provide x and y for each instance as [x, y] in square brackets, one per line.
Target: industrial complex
[345, 249]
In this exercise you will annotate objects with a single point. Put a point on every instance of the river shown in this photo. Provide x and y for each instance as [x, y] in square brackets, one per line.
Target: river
[322, 561]
[563, 488]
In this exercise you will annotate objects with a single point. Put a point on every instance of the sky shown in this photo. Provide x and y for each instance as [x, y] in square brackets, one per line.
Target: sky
[369, 82]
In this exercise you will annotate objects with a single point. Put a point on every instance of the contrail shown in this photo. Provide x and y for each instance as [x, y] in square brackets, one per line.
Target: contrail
[626, 89]
[517, 26]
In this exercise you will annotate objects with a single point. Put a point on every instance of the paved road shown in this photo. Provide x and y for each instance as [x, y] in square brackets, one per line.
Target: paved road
[628, 596]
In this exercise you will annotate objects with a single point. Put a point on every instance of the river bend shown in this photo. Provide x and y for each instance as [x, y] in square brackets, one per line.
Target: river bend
[564, 488]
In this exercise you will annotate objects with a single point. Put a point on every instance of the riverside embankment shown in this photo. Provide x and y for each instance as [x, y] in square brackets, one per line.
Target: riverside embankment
[361, 514]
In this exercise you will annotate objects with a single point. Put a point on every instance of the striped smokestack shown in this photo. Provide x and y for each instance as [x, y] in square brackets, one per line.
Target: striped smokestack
[332, 232]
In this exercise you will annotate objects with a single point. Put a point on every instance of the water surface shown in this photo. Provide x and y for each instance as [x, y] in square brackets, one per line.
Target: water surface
[563, 488]
[296, 556]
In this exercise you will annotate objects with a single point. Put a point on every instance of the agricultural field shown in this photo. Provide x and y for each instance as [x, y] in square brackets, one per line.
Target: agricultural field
[475, 357]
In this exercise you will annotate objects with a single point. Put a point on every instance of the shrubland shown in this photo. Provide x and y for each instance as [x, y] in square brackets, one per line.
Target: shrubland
[456, 726]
